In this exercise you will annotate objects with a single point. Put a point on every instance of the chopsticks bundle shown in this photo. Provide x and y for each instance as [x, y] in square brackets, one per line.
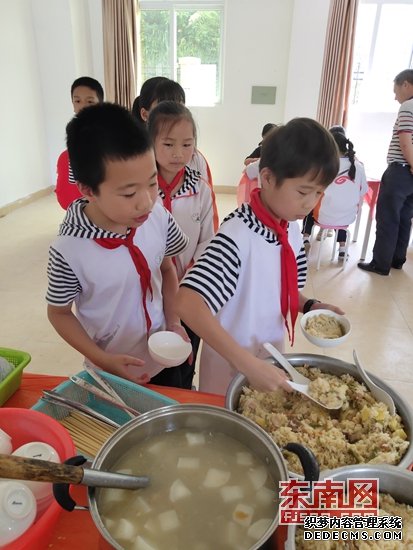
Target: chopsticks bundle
[88, 434]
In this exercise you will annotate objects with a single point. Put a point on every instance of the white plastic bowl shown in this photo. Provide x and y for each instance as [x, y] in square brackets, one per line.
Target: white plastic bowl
[325, 342]
[168, 348]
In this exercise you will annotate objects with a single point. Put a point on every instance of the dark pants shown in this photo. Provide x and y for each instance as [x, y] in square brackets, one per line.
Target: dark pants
[309, 222]
[182, 375]
[393, 217]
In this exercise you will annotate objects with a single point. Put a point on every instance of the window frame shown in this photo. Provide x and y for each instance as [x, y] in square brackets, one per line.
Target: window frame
[202, 5]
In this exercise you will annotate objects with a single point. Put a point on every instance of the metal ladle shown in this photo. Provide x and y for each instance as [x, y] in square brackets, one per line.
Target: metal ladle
[376, 391]
[300, 383]
[31, 469]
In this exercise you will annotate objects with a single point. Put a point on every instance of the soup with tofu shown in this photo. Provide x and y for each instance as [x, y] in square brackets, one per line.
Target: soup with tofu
[207, 492]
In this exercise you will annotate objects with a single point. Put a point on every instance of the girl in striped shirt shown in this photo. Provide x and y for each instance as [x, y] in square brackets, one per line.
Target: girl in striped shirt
[181, 189]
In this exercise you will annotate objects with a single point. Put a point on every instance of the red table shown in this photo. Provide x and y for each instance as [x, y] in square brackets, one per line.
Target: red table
[76, 529]
[371, 199]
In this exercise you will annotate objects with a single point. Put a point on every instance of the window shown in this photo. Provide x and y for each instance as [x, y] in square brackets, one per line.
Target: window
[183, 41]
[383, 48]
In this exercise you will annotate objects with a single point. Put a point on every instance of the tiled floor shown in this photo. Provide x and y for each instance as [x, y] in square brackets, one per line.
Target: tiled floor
[380, 308]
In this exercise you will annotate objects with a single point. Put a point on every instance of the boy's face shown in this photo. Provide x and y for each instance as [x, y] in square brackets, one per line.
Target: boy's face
[293, 200]
[174, 147]
[83, 97]
[126, 196]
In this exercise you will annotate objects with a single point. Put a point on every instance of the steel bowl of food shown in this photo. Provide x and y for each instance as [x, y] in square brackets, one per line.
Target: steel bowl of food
[395, 488]
[214, 479]
[362, 431]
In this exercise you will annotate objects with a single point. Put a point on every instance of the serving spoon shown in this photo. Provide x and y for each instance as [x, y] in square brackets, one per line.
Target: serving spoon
[376, 391]
[299, 382]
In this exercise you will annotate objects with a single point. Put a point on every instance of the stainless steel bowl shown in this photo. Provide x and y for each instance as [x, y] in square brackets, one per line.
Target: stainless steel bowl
[338, 367]
[193, 417]
[392, 480]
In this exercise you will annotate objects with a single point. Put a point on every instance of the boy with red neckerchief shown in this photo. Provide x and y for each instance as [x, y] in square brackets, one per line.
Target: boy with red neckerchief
[112, 281]
[244, 290]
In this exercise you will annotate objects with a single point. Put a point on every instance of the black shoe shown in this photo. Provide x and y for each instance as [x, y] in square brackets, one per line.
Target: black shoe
[372, 267]
[397, 265]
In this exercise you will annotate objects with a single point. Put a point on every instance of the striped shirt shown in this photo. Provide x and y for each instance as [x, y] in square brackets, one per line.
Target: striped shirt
[216, 274]
[403, 124]
[239, 278]
[103, 283]
[193, 207]
[64, 286]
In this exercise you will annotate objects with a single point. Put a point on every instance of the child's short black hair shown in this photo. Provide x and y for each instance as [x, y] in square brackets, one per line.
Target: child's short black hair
[300, 147]
[100, 133]
[89, 82]
[165, 115]
[267, 128]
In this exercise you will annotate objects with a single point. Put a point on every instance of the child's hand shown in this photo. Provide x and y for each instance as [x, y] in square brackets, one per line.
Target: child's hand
[321, 305]
[179, 329]
[263, 376]
[127, 367]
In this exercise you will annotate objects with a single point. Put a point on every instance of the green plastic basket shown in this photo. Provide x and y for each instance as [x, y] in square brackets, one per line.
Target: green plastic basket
[11, 383]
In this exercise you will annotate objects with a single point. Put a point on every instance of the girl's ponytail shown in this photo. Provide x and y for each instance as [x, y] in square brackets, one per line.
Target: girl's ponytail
[351, 156]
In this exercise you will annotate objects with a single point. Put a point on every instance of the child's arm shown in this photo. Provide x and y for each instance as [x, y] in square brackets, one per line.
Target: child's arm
[195, 313]
[208, 221]
[317, 305]
[70, 329]
[169, 291]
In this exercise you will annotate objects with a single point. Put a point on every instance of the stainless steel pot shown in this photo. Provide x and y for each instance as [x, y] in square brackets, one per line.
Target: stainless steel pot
[193, 417]
[338, 367]
[392, 480]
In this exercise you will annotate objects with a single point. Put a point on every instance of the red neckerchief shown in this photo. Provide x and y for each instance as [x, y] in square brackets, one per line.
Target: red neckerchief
[289, 286]
[167, 188]
[139, 261]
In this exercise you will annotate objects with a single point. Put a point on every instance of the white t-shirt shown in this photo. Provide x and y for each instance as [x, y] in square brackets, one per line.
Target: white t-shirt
[239, 278]
[104, 284]
[193, 209]
[340, 202]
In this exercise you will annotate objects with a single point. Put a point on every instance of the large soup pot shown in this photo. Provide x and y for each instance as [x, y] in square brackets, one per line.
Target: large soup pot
[196, 417]
[337, 367]
[392, 480]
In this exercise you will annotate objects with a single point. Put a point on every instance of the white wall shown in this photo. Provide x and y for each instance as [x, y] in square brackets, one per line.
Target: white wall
[267, 43]
[257, 45]
[305, 64]
[23, 150]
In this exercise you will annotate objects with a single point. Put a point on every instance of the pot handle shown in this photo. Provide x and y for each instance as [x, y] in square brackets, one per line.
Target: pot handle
[61, 490]
[307, 459]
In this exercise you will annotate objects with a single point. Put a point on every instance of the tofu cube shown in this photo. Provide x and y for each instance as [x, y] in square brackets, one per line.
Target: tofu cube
[244, 459]
[231, 493]
[216, 478]
[169, 520]
[178, 491]
[142, 544]
[258, 528]
[243, 514]
[258, 476]
[194, 438]
[188, 463]
[124, 530]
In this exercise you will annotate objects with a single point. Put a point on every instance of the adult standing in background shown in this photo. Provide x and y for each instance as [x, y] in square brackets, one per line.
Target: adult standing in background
[395, 203]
